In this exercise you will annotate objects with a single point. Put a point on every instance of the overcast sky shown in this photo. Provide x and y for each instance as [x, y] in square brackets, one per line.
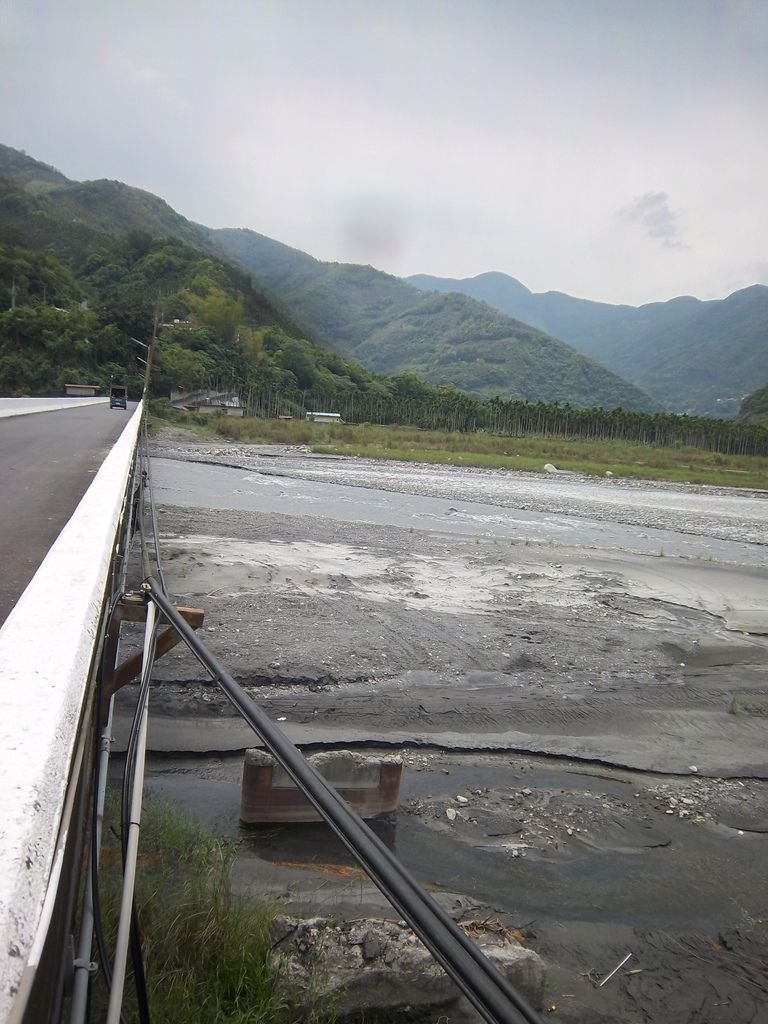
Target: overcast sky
[612, 149]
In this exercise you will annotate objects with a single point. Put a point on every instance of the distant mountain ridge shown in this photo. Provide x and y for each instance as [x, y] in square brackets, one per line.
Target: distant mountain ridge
[362, 313]
[107, 206]
[692, 355]
[390, 327]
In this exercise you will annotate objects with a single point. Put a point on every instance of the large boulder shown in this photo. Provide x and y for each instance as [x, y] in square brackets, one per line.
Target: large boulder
[374, 966]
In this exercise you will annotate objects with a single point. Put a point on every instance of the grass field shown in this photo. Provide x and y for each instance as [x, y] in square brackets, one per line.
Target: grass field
[409, 444]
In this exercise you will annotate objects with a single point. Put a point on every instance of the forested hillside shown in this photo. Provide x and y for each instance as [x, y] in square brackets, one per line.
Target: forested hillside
[83, 280]
[75, 297]
[391, 327]
[693, 356]
[357, 312]
[754, 408]
[76, 321]
[105, 206]
[76, 294]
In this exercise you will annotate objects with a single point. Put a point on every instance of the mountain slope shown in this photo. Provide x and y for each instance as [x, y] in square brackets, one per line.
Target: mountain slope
[15, 164]
[367, 315]
[391, 327]
[754, 408]
[106, 206]
[693, 356]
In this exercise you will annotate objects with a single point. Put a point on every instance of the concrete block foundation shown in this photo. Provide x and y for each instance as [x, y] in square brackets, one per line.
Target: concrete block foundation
[369, 784]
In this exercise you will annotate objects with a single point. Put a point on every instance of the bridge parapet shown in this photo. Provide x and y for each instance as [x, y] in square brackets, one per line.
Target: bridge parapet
[47, 645]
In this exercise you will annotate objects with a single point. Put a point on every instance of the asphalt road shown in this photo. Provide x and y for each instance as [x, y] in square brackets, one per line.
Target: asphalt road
[47, 461]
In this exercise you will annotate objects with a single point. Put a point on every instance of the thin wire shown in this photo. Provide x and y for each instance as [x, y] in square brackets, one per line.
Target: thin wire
[153, 511]
[132, 510]
[142, 530]
[131, 768]
[98, 927]
[133, 779]
[92, 917]
[132, 503]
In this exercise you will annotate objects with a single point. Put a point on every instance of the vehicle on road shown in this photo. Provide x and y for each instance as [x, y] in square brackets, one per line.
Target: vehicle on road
[118, 397]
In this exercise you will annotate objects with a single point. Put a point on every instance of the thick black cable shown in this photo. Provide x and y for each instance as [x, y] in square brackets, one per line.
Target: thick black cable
[489, 992]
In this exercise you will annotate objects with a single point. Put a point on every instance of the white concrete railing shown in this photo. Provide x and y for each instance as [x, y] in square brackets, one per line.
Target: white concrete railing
[24, 406]
[46, 649]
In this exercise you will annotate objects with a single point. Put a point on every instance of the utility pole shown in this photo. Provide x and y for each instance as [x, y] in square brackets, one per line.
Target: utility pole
[150, 349]
[13, 293]
[150, 354]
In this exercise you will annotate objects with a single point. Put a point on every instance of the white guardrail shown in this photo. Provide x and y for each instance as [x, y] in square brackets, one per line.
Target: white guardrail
[25, 406]
[46, 649]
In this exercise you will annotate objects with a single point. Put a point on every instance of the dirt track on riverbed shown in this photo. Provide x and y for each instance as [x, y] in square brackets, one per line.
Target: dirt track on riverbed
[644, 677]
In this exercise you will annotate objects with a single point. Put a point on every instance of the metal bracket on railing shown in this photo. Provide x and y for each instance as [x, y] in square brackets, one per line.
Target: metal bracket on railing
[133, 608]
[86, 965]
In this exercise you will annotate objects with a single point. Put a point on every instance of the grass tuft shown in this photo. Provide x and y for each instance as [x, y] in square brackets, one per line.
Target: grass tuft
[208, 954]
[755, 708]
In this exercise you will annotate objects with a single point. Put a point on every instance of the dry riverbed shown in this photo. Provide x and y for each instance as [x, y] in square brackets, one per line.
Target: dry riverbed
[583, 718]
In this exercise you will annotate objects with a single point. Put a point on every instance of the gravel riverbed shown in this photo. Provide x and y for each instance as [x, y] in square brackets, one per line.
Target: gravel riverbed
[583, 715]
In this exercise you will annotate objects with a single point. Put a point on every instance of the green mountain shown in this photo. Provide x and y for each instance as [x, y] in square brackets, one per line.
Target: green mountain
[82, 267]
[105, 206]
[357, 312]
[16, 165]
[693, 356]
[390, 327]
[82, 278]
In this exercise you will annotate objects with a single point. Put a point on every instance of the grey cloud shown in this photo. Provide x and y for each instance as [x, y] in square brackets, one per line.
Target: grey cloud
[653, 212]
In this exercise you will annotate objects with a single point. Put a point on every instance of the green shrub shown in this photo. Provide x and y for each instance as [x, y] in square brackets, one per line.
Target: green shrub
[208, 954]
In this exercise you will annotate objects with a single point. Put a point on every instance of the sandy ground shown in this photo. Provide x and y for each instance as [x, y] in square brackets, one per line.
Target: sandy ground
[584, 727]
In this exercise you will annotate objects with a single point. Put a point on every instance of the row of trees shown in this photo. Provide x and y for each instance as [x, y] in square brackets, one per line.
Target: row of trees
[410, 402]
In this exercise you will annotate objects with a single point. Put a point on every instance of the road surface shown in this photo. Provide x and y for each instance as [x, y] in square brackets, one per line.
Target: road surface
[46, 463]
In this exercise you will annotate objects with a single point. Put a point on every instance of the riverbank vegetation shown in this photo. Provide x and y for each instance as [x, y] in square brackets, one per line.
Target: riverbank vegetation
[208, 954]
[683, 464]
[406, 401]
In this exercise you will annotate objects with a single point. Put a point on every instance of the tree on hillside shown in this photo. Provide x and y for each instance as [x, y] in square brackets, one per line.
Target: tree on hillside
[221, 312]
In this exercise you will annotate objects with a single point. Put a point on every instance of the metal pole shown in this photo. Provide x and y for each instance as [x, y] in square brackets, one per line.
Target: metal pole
[129, 872]
[79, 1003]
[489, 992]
